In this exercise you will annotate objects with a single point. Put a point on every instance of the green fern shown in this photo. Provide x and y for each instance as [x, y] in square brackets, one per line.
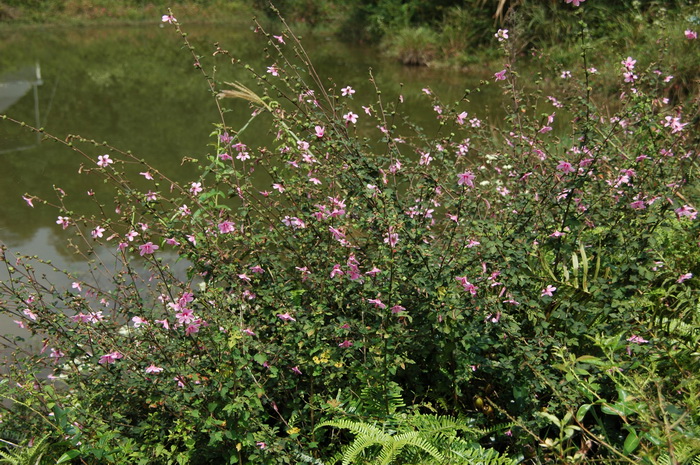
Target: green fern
[26, 455]
[419, 439]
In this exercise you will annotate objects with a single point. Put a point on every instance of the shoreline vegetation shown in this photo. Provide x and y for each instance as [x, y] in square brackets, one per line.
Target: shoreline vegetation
[441, 33]
[362, 289]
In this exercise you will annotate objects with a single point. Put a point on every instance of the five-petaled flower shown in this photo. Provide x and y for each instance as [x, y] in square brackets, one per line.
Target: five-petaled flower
[97, 232]
[500, 76]
[226, 227]
[690, 34]
[548, 291]
[347, 91]
[103, 161]
[286, 317]
[575, 2]
[466, 179]
[147, 248]
[350, 117]
[684, 277]
[170, 19]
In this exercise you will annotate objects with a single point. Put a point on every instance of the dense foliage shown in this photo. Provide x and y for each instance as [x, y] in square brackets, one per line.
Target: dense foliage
[515, 293]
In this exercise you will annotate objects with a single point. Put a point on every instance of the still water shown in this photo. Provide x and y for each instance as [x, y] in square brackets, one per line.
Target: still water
[136, 88]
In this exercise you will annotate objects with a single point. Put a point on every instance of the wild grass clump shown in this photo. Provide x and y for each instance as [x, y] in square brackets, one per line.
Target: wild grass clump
[521, 292]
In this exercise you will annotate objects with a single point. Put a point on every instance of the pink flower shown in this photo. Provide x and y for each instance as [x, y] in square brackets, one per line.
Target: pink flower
[97, 232]
[461, 117]
[320, 130]
[690, 35]
[296, 370]
[684, 277]
[630, 76]
[29, 200]
[261, 444]
[196, 188]
[336, 271]
[368, 110]
[280, 39]
[257, 269]
[501, 35]
[575, 2]
[350, 117]
[674, 123]
[377, 303]
[565, 74]
[628, 63]
[346, 344]
[138, 322]
[226, 227]
[565, 167]
[147, 175]
[373, 272]
[397, 309]
[248, 331]
[64, 221]
[466, 178]
[131, 235]
[29, 314]
[500, 76]
[391, 237]
[468, 287]
[686, 210]
[56, 355]
[170, 19]
[548, 291]
[347, 91]
[147, 248]
[110, 358]
[153, 369]
[637, 339]
[103, 161]
[638, 205]
[286, 317]
[273, 70]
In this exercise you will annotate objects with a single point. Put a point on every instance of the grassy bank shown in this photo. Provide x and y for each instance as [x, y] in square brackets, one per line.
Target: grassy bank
[77, 12]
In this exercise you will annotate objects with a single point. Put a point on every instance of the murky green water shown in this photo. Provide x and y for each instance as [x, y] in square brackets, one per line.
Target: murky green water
[136, 87]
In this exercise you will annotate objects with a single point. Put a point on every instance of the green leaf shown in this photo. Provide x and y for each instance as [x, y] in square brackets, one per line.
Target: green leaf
[582, 411]
[68, 456]
[631, 442]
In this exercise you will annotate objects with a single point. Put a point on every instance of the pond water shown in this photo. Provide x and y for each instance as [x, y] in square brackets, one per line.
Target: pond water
[136, 87]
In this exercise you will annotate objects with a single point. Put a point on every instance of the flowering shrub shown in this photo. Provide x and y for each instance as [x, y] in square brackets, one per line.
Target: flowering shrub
[358, 251]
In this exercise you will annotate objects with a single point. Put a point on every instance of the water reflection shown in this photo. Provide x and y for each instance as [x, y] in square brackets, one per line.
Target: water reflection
[137, 88]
